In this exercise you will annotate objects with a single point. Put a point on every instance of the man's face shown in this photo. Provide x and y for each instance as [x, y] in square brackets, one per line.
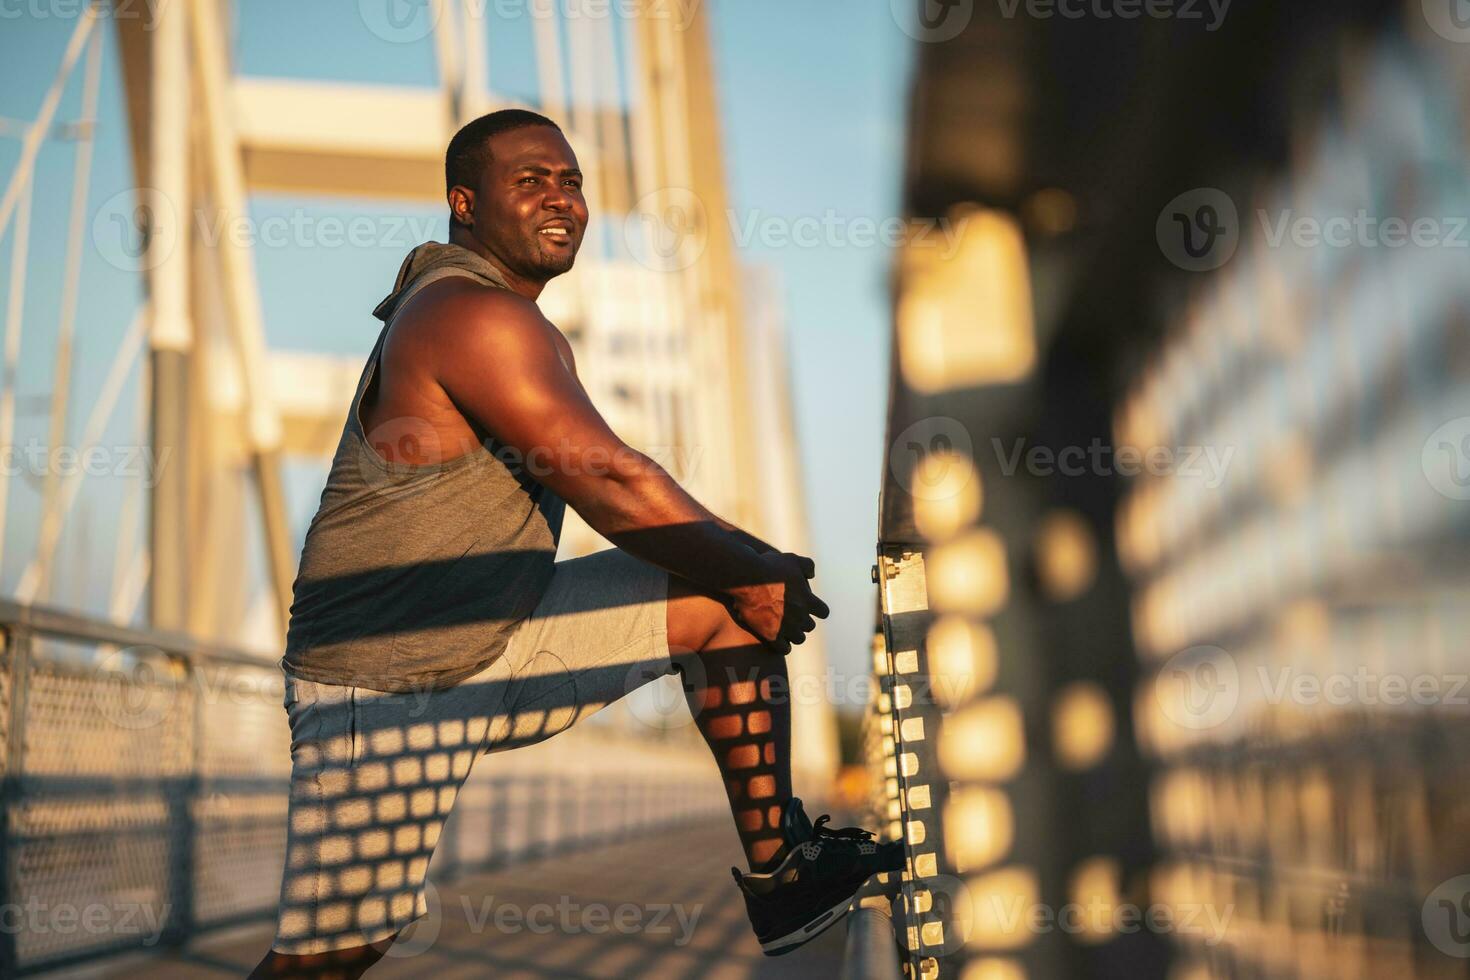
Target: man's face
[528, 208]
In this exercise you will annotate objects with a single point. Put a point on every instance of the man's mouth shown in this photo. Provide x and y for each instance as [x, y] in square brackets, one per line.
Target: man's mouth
[559, 233]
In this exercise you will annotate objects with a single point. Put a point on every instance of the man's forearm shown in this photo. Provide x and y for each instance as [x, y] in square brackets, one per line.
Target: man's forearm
[745, 537]
[643, 510]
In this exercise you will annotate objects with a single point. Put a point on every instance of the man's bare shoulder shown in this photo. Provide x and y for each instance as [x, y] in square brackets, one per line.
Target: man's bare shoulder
[458, 325]
[457, 307]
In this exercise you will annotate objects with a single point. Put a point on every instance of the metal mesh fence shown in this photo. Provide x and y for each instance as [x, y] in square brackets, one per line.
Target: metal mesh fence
[1265, 779]
[145, 791]
[1303, 622]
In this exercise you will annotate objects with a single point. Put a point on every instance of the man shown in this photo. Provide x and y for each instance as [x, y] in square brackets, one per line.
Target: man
[431, 622]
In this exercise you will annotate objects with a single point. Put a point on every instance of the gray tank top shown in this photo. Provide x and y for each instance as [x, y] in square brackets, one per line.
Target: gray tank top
[413, 577]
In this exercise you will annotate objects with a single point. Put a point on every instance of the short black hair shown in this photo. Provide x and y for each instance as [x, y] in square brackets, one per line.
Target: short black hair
[469, 151]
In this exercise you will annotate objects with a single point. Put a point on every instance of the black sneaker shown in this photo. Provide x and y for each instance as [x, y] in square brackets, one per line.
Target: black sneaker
[814, 884]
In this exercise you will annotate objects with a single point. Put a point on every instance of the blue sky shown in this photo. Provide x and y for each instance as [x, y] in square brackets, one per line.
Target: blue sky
[811, 98]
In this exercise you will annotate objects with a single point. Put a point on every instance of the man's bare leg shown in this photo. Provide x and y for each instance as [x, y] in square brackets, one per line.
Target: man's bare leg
[340, 964]
[739, 695]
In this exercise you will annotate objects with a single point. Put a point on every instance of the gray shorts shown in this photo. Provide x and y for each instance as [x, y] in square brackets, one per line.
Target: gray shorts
[374, 775]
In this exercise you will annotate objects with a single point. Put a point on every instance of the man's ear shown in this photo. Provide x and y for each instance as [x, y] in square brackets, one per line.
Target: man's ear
[462, 206]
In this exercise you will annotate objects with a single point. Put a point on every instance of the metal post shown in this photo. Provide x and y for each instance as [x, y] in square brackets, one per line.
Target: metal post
[870, 953]
[15, 645]
[182, 829]
[171, 334]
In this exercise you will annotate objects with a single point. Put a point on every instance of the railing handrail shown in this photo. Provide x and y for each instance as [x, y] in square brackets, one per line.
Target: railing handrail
[67, 625]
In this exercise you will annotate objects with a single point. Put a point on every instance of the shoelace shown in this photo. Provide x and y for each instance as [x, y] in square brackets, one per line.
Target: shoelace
[819, 829]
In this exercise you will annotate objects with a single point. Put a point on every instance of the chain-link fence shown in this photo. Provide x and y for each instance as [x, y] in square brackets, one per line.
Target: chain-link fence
[145, 790]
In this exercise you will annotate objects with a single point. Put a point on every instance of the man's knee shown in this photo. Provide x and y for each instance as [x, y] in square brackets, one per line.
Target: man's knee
[692, 618]
[341, 964]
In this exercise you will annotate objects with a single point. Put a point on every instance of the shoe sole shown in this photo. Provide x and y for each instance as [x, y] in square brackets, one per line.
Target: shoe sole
[810, 931]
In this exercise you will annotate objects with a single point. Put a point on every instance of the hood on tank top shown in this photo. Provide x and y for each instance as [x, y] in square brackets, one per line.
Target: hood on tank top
[437, 255]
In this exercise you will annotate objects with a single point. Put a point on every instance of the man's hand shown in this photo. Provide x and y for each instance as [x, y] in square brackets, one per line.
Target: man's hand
[779, 610]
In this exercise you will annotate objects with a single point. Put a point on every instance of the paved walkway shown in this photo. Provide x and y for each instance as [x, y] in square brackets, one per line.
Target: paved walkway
[657, 909]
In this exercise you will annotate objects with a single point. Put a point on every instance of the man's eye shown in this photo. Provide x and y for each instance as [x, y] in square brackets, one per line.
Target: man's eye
[574, 184]
[530, 180]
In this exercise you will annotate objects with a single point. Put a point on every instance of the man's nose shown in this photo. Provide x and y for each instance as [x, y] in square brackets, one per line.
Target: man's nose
[557, 200]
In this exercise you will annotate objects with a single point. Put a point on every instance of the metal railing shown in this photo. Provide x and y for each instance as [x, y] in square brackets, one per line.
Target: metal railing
[145, 790]
[1229, 705]
[1303, 623]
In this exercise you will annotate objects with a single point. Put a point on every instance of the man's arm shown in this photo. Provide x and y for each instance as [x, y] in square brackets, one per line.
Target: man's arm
[746, 538]
[497, 360]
